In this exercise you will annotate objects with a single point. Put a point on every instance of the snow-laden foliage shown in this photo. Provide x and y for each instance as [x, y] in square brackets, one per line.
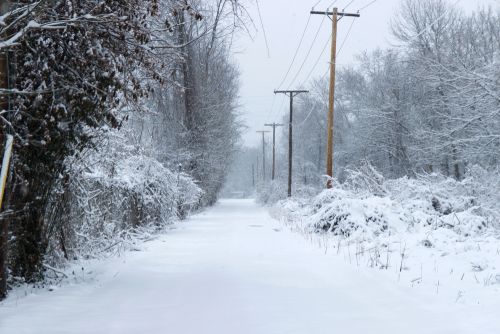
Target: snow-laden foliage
[425, 206]
[70, 65]
[271, 192]
[161, 69]
[102, 204]
[365, 208]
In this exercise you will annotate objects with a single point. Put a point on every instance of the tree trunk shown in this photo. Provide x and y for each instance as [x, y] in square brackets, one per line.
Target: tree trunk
[28, 201]
[29, 247]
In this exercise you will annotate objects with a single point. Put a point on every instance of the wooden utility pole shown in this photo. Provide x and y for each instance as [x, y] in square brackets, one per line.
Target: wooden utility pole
[253, 175]
[274, 125]
[335, 16]
[257, 168]
[263, 154]
[291, 94]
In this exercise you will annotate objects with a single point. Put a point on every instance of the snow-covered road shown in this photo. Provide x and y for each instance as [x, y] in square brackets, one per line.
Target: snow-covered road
[234, 270]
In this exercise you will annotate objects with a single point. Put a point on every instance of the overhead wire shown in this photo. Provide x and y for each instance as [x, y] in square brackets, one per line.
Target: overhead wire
[333, 3]
[296, 52]
[308, 52]
[263, 29]
[346, 37]
[317, 60]
[317, 3]
[324, 49]
[368, 5]
[350, 3]
[295, 57]
[342, 45]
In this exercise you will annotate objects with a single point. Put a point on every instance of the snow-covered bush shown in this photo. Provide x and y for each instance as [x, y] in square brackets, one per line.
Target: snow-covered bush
[270, 193]
[364, 178]
[104, 203]
[366, 205]
[274, 191]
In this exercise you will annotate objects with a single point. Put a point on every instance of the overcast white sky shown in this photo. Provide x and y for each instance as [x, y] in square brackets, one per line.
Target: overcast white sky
[284, 22]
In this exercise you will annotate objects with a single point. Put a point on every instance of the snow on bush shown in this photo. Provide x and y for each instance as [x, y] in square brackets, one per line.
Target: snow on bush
[270, 193]
[117, 196]
[430, 227]
[366, 205]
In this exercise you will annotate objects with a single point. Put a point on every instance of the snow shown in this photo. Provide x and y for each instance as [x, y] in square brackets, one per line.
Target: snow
[233, 269]
[433, 234]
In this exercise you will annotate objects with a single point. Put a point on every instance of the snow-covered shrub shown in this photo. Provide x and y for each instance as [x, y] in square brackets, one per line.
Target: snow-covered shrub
[110, 196]
[271, 192]
[365, 178]
[346, 213]
[367, 206]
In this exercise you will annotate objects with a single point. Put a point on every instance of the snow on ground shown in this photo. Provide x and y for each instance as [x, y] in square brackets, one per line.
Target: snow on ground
[433, 234]
[233, 269]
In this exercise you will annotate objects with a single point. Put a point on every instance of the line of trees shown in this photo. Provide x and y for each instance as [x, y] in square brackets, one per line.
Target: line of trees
[160, 71]
[431, 103]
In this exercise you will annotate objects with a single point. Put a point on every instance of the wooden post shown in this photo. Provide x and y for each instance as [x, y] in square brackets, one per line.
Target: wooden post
[290, 94]
[253, 175]
[331, 99]
[263, 154]
[274, 125]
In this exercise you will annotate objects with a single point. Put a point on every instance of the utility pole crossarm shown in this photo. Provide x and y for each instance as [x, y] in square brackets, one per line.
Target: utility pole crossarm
[338, 14]
[295, 92]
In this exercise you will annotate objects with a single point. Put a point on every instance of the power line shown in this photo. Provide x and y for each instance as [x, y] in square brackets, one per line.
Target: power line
[346, 37]
[368, 5]
[324, 49]
[263, 29]
[305, 119]
[270, 115]
[348, 4]
[317, 60]
[272, 109]
[308, 52]
[317, 3]
[296, 52]
[333, 3]
[282, 103]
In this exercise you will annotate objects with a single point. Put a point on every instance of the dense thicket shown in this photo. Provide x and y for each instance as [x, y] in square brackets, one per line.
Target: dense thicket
[81, 70]
[430, 104]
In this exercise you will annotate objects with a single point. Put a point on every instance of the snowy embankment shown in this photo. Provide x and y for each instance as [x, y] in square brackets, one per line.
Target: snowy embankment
[431, 233]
